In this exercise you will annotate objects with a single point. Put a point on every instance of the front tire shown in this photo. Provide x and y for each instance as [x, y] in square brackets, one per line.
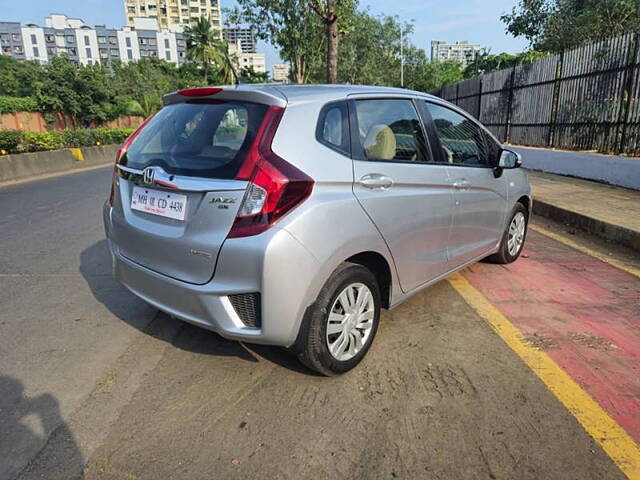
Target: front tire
[514, 236]
[343, 322]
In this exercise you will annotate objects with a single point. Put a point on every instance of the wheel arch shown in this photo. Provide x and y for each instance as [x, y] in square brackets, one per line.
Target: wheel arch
[526, 201]
[379, 266]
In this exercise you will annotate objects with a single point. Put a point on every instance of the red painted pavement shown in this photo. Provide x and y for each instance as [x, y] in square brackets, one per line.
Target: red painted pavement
[584, 313]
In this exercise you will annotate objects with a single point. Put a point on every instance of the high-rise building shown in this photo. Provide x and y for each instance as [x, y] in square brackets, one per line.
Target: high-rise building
[280, 72]
[256, 61]
[89, 45]
[174, 12]
[463, 52]
[245, 36]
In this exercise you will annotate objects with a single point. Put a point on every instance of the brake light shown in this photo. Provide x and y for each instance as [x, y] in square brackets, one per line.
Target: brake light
[199, 91]
[125, 146]
[275, 188]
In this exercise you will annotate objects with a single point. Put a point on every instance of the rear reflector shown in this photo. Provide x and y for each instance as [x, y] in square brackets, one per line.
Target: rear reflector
[247, 306]
[199, 91]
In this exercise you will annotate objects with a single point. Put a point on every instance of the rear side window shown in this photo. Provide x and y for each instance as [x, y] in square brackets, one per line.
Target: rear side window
[200, 139]
[390, 130]
[333, 127]
[462, 140]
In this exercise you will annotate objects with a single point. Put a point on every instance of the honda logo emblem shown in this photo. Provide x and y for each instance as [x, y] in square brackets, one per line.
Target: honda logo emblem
[148, 175]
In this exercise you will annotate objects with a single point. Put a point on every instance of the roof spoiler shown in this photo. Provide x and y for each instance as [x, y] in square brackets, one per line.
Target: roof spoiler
[265, 95]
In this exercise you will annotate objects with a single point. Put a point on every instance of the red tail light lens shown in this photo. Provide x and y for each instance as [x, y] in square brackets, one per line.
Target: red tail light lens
[275, 188]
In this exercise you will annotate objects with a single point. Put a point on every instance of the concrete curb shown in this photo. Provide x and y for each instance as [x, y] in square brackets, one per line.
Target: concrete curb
[611, 169]
[608, 231]
[26, 165]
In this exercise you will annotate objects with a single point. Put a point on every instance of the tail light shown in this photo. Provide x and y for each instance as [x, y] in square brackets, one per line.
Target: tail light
[125, 146]
[275, 186]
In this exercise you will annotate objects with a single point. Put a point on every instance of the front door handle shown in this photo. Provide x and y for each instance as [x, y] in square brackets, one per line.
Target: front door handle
[461, 184]
[376, 181]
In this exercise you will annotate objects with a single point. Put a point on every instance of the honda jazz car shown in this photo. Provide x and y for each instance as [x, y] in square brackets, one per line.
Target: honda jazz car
[291, 215]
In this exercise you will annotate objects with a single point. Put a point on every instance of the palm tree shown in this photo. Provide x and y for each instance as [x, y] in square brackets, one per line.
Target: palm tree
[205, 47]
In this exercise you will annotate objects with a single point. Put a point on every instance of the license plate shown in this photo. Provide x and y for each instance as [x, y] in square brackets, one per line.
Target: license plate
[158, 202]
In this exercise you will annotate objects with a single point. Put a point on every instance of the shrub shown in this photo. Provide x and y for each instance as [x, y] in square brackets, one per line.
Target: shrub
[17, 141]
[10, 140]
[18, 104]
[80, 137]
[111, 136]
[41, 141]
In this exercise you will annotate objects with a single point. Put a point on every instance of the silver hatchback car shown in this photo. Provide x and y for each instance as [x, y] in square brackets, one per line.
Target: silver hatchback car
[290, 215]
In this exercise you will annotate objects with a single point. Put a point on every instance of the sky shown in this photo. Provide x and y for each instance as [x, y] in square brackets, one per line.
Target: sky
[477, 21]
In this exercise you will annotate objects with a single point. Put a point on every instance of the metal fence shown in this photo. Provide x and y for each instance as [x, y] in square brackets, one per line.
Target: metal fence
[587, 98]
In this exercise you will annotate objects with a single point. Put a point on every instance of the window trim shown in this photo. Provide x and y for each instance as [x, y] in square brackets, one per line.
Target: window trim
[356, 147]
[346, 128]
[434, 132]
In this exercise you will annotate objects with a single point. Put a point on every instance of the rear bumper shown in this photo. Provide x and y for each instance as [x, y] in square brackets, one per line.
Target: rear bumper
[273, 264]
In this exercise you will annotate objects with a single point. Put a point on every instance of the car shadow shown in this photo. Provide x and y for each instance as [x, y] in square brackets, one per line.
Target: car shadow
[35, 441]
[95, 268]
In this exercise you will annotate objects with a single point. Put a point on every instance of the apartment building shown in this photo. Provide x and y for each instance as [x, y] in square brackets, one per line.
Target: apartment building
[257, 61]
[280, 72]
[174, 12]
[89, 45]
[244, 36]
[463, 52]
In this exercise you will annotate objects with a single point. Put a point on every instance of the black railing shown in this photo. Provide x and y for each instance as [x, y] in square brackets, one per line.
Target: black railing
[587, 98]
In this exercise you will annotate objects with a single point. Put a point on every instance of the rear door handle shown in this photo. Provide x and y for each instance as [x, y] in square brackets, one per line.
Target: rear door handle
[461, 184]
[376, 181]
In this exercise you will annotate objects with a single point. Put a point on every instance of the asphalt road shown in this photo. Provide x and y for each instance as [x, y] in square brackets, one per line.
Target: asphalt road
[96, 384]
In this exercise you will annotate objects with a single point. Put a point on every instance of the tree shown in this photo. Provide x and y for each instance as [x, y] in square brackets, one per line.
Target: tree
[330, 11]
[370, 50]
[426, 76]
[555, 25]
[249, 75]
[18, 78]
[289, 25]
[485, 62]
[204, 47]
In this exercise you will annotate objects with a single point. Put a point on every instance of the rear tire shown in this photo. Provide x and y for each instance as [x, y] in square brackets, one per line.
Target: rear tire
[513, 237]
[343, 321]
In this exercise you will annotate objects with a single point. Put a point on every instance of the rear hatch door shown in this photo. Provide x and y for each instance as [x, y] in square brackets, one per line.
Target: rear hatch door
[176, 193]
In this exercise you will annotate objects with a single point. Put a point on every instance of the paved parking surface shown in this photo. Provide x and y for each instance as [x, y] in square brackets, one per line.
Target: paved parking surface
[95, 384]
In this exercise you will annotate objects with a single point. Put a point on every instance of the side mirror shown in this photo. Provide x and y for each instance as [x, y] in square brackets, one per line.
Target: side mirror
[509, 159]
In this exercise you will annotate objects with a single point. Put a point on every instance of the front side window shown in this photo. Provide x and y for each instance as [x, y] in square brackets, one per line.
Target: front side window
[333, 127]
[389, 129]
[462, 140]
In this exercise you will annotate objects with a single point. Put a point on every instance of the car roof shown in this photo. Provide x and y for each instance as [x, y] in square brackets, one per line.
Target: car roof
[328, 92]
[288, 94]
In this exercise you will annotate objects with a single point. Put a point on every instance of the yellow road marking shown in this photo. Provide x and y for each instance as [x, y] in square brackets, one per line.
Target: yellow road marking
[600, 256]
[613, 439]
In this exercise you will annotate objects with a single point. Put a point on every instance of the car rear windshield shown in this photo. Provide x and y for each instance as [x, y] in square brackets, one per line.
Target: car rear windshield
[197, 138]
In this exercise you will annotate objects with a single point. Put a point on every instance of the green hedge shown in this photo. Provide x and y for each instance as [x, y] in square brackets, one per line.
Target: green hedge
[17, 141]
[18, 104]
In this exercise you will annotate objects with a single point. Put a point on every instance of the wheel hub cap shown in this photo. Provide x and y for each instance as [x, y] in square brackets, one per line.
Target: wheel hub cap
[350, 321]
[517, 230]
